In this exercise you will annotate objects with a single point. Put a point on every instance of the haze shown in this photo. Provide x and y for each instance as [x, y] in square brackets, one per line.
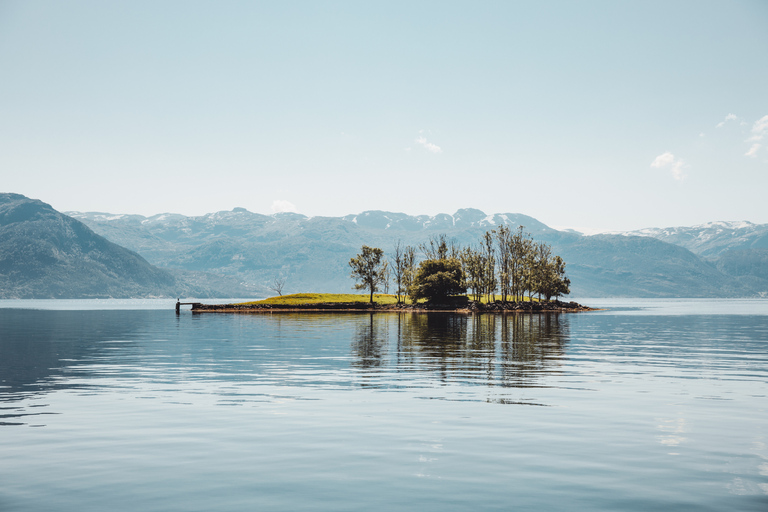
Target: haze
[591, 115]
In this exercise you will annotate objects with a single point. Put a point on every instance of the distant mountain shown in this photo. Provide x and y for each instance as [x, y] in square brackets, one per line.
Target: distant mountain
[713, 238]
[736, 249]
[312, 253]
[45, 254]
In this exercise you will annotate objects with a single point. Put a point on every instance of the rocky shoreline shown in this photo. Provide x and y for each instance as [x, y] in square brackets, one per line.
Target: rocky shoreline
[555, 306]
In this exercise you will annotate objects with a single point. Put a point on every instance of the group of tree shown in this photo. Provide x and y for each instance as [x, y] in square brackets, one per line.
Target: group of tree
[504, 261]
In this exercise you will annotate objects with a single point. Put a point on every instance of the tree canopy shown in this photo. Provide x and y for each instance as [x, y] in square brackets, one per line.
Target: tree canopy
[503, 260]
[369, 269]
[438, 279]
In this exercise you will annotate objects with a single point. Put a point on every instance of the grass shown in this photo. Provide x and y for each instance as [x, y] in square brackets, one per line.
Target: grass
[313, 298]
[485, 299]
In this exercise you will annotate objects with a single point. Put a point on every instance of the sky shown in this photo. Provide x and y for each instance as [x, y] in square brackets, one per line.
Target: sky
[593, 115]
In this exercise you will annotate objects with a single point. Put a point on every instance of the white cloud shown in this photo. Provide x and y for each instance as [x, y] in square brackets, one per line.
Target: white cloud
[663, 160]
[281, 205]
[729, 117]
[676, 166]
[753, 150]
[428, 145]
[759, 132]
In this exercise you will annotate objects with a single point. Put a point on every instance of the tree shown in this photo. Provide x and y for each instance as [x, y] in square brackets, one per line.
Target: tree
[277, 285]
[552, 280]
[369, 269]
[436, 248]
[409, 269]
[438, 279]
[398, 270]
[541, 266]
[521, 262]
[504, 243]
[387, 277]
[489, 280]
[562, 283]
[473, 264]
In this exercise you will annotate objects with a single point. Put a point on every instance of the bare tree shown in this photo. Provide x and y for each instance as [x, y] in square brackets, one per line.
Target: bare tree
[398, 270]
[437, 248]
[277, 285]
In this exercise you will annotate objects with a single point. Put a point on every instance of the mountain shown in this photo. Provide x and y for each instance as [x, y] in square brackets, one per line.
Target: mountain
[713, 238]
[737, 249]
[312, 253]
[45, 254]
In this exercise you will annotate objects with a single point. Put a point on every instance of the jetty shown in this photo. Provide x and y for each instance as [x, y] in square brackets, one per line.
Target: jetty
[193, 304]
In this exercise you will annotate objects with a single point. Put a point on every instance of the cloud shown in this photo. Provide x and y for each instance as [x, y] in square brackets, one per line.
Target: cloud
[676, 166]
[663, 160]
[428, 145]
[759, 132]
[753, 150]
[729, 117]
[281, 205]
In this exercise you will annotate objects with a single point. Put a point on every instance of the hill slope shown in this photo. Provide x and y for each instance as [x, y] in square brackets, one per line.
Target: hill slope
[45, 254]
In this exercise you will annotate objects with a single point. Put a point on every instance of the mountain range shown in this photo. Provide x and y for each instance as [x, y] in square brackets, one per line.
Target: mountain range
[238, 253]
[312, 253]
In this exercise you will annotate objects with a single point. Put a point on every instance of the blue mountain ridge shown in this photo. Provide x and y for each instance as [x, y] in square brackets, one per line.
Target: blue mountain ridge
[312, 253]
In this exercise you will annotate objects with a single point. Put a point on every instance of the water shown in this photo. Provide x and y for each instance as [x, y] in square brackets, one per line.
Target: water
[650, 405]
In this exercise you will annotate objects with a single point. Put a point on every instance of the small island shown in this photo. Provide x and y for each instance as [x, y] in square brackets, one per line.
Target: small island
[507, 271]
[352, 303]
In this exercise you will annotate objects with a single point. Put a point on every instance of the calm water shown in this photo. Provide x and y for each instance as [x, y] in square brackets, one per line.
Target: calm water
[652, 405]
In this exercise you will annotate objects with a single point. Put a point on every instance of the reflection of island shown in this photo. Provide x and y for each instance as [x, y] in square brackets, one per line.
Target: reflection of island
[499, 350]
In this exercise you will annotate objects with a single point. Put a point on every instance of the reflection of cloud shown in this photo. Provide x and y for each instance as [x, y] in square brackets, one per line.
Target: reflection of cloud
[676, 165]
[281, 205]
[673, 430]
[428, 145]
[759, 132]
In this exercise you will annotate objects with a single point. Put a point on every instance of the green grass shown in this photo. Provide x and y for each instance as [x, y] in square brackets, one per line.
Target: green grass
[485, 299]
[312, 298]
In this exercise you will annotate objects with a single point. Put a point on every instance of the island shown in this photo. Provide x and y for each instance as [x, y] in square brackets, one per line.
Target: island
[354, 303]
[507, 271]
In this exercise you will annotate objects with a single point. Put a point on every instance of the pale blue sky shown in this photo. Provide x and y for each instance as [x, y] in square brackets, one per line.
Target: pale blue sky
[593, 115]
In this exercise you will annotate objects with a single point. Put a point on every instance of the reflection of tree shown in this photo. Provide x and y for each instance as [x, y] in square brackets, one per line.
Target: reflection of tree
[369, 342]
[529, 343]
[501, 350]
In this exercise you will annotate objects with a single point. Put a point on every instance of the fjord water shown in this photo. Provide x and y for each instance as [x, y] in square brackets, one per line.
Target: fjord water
[649, 405]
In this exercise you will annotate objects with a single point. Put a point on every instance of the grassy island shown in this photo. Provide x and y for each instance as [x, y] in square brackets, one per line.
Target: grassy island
[348, 302]
[447, 278]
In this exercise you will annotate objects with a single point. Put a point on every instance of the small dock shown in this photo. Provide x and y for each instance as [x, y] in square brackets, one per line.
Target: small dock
[179, 304]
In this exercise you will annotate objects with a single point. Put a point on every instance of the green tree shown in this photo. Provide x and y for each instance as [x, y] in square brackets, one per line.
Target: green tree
[369, 269]
[520, 249]
[489, 280]
[552, 280]
[409, 269]
[542, 270]
[504, 250]
[438, 279]
[473, 264]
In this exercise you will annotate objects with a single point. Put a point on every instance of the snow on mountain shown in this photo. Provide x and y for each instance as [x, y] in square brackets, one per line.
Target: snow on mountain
[711, 239]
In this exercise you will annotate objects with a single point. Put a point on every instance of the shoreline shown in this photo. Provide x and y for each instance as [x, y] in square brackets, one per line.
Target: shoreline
[366, 307]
